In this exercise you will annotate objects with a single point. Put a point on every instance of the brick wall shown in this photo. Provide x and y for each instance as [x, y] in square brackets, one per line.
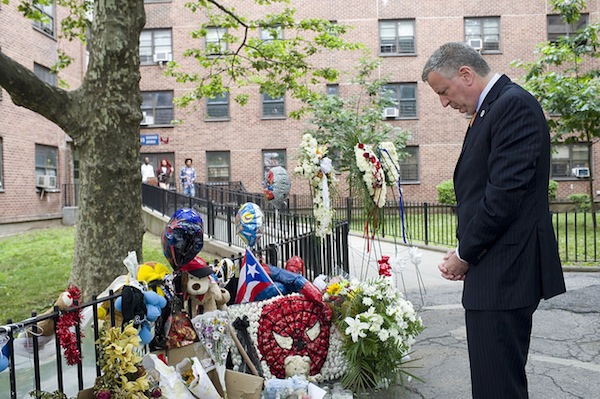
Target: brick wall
[437, 131]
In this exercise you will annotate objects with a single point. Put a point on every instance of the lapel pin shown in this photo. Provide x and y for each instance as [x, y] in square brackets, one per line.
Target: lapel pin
[482, 113]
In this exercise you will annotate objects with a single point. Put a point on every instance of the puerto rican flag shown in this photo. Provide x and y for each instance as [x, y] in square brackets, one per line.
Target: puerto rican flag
[253, 279]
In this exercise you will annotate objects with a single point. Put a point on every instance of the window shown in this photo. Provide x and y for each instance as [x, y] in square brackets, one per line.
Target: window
[1, 171]
[215, 42]
[218, 165]
[333, 90]
[157, 107]
[44, 73]
[155, 46]
[47, 23]
[397, 37]
[218, 107]
[404, 97]
[46, 171]
[273, 107]
[409, 166]
[272, 158]
[566, 157]
[271, 33]
[557, 27]
[487, 30]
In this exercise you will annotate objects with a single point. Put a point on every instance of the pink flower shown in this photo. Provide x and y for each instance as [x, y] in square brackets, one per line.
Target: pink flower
[103, 394]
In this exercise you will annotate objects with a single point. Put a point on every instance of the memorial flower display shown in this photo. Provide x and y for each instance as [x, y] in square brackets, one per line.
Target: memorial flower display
[379, 327]
[314, 165]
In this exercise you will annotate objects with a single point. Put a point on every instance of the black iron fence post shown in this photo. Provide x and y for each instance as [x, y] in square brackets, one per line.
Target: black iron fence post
[426, 222]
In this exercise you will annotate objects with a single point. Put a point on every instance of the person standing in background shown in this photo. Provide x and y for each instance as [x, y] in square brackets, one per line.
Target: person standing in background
[147, 170]
[163, 173]
[188, 178]
[507, 253]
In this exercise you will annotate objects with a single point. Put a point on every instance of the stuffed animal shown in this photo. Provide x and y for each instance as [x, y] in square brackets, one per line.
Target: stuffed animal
[200, 285]
[46, 327]
[297, 365]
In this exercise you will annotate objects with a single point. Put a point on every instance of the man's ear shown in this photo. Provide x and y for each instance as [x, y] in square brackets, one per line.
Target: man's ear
[466, 74]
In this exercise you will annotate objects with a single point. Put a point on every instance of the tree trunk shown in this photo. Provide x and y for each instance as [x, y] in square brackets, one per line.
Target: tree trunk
[109, 223]
[102, 117]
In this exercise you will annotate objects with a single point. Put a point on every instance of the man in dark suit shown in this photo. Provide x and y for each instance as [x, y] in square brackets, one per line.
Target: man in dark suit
[507, 253]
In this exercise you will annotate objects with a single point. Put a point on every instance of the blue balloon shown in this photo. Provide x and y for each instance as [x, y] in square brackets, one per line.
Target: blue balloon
[119, 304]
[248, 221]
[151, 298]
[152, 312]
[145, 333]
[3, 362]
[183, 237]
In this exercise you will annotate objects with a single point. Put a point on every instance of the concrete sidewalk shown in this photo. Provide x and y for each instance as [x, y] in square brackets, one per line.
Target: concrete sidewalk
[564, 359]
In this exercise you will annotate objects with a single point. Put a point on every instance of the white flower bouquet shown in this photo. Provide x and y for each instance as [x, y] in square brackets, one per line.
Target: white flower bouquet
[373, 174]
[379, 328]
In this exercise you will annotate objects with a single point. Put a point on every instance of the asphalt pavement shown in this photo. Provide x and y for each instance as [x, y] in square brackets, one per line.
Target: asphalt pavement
[564, 358]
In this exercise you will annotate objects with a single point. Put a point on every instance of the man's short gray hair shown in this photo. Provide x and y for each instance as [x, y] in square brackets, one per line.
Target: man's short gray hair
[448, 59]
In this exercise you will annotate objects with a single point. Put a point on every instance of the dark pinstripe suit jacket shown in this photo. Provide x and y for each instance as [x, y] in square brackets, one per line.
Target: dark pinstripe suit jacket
[504, 225]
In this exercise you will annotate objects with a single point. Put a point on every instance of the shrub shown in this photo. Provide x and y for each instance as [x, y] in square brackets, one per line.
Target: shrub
[552, 189]
[445, 192]
[582, 202]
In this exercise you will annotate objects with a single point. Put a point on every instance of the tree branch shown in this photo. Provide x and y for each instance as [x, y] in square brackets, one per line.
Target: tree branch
[26, 90]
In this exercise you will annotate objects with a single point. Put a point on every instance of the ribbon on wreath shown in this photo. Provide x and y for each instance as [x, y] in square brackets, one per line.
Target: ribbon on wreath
[400, 198]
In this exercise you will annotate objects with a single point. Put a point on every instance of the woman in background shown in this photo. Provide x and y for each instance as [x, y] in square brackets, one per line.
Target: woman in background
[163, 173]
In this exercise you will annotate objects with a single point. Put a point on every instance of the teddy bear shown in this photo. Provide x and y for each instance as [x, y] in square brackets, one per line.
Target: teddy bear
[296, 365]
[199, 284]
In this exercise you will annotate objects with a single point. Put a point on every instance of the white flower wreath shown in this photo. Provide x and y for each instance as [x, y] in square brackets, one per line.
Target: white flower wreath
[318, 169]
[373, 173]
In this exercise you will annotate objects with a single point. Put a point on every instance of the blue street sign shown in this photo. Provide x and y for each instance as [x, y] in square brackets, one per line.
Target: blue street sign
[149, 139]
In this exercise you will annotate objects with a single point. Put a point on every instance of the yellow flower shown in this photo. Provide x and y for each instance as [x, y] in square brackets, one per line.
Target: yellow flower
[334, 289]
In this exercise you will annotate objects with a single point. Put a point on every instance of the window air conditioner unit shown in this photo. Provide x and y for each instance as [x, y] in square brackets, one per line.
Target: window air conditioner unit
[390, 112]
[580, 172]
[162, 57]
[45, 181]
[147, 120]
[477, 44]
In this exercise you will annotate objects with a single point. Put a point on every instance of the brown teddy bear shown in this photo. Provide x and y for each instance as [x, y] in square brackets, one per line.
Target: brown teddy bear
[199, 284]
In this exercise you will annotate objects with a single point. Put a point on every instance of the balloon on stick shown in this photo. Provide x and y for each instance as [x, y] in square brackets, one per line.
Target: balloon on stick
[276, 186]
[183, 237]
[248, 222]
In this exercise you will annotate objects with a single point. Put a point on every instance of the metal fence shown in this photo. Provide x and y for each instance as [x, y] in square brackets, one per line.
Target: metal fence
[284, 234]
[427, 223]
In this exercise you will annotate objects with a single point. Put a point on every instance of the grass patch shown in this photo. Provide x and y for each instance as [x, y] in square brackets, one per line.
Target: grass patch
[35, 268]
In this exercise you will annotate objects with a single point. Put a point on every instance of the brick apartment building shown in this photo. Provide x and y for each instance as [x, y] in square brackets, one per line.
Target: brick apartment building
[228, 142]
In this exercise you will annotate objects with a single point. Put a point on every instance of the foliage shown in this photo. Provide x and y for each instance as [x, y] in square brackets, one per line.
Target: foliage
[552, 190]
[445, 193]
[102, 115]
[379, 327]
[582, 201]
[278, 65]
[564, 79]
[48, 395]
[345, 122]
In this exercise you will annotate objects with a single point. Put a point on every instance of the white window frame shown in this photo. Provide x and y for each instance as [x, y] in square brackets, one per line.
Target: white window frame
[406, 105]
[48, 11]
[401, 41]
[564, 156]
[269, 102]
[46, 162]
[154, 41]
[219, 102]
[218, 166]
[153, 107]
[215, 37]
[409, 166]
[486, 29]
